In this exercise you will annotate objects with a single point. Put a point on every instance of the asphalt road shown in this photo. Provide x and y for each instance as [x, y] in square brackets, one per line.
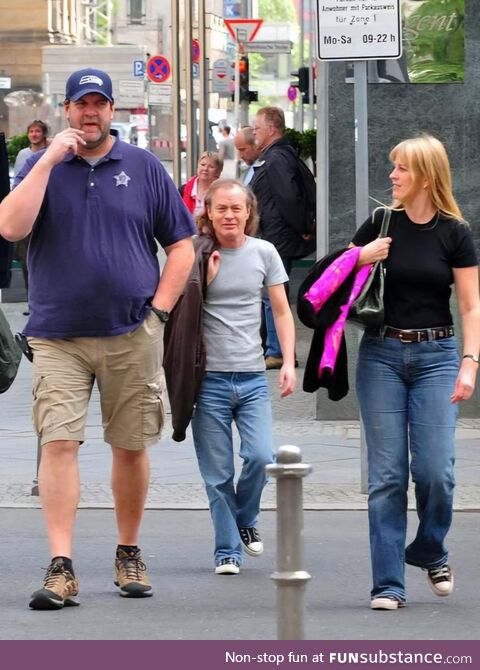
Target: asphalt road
[192, 603]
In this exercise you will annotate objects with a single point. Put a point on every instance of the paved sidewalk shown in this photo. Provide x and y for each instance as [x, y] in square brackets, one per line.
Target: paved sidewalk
[332, 448]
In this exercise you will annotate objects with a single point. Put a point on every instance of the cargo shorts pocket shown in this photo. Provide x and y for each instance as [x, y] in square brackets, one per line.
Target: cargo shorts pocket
[39, 405]
[153, 411]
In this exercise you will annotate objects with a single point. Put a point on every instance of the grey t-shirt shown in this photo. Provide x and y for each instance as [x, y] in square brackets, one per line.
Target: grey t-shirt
[22, 157]
[232, 308]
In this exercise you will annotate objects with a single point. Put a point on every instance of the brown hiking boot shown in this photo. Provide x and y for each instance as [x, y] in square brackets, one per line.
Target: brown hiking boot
[273, 362]
[131, 575]
[59, 589]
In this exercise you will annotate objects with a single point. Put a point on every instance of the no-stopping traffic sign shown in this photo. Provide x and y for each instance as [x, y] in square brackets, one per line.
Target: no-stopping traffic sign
[158, 69]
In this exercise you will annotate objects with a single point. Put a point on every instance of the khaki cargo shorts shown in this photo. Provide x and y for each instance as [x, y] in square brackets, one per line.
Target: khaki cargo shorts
[129, 375]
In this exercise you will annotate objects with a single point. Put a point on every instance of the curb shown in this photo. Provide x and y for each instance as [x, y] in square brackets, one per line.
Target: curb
[316, 497]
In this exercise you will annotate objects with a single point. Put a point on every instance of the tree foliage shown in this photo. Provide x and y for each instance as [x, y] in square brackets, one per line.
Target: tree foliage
[305, 142]
[277, 10]
[14, 144]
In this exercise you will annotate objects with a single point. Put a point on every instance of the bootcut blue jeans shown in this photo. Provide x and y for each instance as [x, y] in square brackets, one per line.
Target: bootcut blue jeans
[404, 395]
[243, 398]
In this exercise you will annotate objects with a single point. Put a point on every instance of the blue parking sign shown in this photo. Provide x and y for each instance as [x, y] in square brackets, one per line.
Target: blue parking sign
[138, 68]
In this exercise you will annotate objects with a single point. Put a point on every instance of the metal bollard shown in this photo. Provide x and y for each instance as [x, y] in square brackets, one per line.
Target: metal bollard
[289, 576]
[35, 491]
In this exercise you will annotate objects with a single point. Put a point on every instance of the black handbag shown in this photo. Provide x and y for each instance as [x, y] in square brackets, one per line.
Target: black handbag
[367, 310]
[10, 355]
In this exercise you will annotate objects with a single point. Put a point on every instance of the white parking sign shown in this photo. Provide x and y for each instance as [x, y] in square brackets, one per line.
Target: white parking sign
[222, 76]
[356, 30]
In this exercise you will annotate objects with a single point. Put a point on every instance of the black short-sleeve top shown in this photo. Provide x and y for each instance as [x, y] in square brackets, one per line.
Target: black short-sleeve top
[419, 267]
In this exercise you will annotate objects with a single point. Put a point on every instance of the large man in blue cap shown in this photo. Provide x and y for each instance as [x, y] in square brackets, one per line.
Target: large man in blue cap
[96, 208]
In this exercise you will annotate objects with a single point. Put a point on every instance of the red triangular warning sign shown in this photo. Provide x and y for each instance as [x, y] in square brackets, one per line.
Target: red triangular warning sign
[243, 30]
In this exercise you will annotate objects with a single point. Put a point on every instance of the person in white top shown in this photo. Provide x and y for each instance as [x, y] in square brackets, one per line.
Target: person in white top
[248, 151]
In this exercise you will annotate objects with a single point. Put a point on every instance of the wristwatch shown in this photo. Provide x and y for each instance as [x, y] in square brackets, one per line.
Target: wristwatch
[472, 356]
[162, 314]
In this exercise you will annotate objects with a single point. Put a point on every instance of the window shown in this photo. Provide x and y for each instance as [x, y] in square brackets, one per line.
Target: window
[136, 11]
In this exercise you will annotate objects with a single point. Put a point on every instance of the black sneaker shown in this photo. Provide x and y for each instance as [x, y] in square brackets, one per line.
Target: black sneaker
[252, 542]
[59, 589]
[131, 575]
[440, 580]
[227, 566]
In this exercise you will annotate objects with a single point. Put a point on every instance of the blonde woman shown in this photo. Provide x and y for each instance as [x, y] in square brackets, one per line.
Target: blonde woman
[410, 375]
[209, 168]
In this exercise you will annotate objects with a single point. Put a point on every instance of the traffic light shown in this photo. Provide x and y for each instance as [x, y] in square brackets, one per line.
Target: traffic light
[243, 74]
[244, 81]
[303, 83]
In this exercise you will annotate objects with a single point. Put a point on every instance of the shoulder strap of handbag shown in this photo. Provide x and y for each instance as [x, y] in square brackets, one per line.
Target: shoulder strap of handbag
[387, 212]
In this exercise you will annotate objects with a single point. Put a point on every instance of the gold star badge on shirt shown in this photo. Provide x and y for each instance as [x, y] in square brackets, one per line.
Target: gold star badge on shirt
[121, 179]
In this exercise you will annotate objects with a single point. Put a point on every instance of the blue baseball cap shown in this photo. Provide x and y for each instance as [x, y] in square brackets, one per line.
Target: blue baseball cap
[86, 81]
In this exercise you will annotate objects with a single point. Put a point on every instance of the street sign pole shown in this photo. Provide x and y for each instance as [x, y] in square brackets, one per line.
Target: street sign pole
[361, 141]
[301, 52]
[361, 201]
[203, 92]
[311, 52]
[191, 152]
[176, 118]
[322, 160]
[244, 104]
[236, 96]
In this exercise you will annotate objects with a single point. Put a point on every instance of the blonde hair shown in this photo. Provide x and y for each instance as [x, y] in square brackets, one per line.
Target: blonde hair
[427, 160]
[205, 225]
[214, 157]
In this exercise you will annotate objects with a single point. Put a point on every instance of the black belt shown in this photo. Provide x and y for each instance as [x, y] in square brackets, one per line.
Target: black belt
[424, 335]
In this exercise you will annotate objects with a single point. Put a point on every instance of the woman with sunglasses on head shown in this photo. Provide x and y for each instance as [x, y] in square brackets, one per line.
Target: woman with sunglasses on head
[410, 376]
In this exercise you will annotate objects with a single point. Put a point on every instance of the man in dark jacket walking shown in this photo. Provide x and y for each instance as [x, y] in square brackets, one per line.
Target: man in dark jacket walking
[280, 204]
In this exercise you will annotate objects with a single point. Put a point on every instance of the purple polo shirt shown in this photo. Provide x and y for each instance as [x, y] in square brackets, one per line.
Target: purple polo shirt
[92, 258]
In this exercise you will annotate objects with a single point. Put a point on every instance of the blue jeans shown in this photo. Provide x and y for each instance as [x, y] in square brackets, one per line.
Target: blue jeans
[404, 394]
[272, 344]
[243, 398]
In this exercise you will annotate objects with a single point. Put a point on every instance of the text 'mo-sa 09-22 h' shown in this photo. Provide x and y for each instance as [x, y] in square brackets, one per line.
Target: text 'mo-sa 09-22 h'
[349, 30]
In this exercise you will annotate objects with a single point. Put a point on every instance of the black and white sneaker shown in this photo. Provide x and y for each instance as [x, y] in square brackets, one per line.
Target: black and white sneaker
[440, 580]
[252, 542]
[227, 566]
